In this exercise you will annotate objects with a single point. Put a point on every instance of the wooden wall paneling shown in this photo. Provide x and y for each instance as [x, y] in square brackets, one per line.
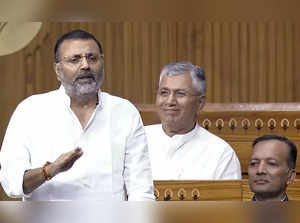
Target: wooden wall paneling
[181, 44]
[244, 63]
[281, 62]
[296, 82]
[191, 42]
[262, 61]
[137, 61]
[271, 67]
[217, 85]
[173, 51]
[105, 32]
[128, 60]
[236, 84]
[164, 45]
[155, 53]
[146, 73]
[208, 64]
[289, 30]
[198, 36]
[226, 72]
[254, 77]
[120, 73]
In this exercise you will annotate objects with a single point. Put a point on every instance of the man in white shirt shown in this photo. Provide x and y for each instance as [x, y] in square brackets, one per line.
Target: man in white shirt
[76, 143]
[179, 148]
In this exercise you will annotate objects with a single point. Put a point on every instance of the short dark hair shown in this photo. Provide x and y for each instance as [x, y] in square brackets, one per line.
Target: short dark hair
[292, 146]
[75, 34]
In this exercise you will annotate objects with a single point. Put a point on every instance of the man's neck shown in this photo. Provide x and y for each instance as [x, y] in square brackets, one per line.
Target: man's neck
[172, 130]
[84, 109]
[270, 197]
[84, 102]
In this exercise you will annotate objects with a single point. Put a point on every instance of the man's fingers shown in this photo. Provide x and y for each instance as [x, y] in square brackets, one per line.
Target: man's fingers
[76, 154]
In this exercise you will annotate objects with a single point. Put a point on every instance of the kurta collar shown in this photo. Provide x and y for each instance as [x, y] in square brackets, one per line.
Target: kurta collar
[285, 198]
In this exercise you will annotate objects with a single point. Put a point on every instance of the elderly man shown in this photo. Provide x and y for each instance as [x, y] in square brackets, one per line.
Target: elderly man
[179, 148]
[77, 142]
[272, 167]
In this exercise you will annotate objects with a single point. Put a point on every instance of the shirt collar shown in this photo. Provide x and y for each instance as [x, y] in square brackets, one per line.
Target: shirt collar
[285, 198]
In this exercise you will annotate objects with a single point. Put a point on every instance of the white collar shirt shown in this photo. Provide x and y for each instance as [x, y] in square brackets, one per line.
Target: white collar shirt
[115, 162]
[196, 155]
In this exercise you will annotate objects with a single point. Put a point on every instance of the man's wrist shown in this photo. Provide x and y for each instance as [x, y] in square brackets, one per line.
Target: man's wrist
[45, 171]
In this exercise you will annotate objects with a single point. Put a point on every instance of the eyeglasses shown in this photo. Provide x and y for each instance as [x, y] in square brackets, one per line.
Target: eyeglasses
[179, 94]
[77, 59]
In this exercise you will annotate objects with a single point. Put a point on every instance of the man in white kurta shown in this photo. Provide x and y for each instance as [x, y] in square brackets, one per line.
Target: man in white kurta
[179, 148]
[196, 155]
[76, 143]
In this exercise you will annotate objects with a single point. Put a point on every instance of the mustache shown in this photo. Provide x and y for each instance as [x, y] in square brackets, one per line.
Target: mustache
[85, 74]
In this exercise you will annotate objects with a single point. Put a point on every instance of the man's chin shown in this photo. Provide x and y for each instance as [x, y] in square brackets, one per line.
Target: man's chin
[86, 89]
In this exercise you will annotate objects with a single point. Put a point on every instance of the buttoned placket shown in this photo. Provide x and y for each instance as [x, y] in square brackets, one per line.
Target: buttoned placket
[176, 143]
[75, 119]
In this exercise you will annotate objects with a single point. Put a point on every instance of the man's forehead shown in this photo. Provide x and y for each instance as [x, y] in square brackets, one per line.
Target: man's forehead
[270, 149]
[180, 81]
[78, 46]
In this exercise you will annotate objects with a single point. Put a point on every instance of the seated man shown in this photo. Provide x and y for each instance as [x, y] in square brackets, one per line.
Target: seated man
[62, 145]
[272, 167]
[179, 148]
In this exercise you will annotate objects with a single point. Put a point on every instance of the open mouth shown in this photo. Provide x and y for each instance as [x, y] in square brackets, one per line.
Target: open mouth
[261, 181]
[87, 78]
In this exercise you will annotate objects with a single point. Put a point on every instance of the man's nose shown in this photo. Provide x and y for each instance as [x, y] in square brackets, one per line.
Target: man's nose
[261, 168]
[171, 99]
[84, 63]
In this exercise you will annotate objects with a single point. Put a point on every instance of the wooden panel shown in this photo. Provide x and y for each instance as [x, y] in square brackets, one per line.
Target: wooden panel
[198, 190]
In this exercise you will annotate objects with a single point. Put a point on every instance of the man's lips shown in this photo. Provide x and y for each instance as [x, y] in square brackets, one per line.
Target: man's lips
[86, 77]
[261, 181]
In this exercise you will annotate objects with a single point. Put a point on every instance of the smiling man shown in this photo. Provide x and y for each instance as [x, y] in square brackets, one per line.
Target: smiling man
[179, 148]
[62, 145]
[272, 167]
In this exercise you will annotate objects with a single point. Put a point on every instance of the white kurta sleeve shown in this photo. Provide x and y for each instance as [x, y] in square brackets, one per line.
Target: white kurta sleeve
[137, 168]
[229, 166]
[14, 155]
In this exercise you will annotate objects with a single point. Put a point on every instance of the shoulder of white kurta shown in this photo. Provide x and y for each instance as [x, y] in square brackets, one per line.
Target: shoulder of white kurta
[215, 141]
[37, 104]
[116, 102]
[40, 100]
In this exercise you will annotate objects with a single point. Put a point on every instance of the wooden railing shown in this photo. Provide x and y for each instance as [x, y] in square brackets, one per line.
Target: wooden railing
[233, 190]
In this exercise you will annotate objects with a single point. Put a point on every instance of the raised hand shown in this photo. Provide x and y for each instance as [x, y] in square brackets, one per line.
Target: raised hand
[65, 161]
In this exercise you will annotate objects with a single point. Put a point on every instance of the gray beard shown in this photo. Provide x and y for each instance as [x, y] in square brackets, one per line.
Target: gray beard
[82, 92]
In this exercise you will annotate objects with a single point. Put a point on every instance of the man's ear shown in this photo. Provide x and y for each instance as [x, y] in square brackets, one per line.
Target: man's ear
[291, 176]
[201, 102]
[56, 69]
